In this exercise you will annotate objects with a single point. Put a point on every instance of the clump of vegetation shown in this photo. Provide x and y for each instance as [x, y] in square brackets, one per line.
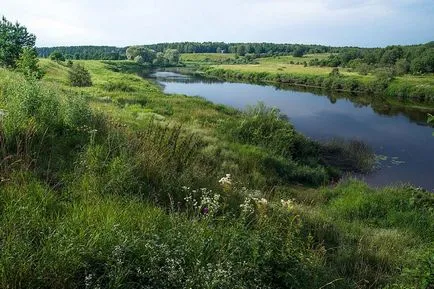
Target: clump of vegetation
[118, 86]
[142, 55]
[17, 49]
[27, 64]
[265, 127]
[79, 76]
[352, 156]
[57, 56]
[14, 38]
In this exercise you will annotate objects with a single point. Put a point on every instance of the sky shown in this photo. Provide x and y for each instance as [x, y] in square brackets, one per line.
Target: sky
[369, 23]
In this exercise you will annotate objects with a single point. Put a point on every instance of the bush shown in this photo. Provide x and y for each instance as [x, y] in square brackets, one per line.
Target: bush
[265, 127]
[57, 56]
[79, 76]
[118, 86]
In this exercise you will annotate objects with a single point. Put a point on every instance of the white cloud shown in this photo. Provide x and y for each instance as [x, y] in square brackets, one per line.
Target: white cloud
[352, 22]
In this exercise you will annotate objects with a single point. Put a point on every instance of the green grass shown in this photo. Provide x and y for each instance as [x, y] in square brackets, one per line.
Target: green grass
[117, 186]
[192, 58]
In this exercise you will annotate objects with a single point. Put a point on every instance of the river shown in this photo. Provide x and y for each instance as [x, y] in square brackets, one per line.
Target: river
[399, 135]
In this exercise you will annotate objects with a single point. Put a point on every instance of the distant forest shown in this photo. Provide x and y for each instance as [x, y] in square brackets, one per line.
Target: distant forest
[416, 59]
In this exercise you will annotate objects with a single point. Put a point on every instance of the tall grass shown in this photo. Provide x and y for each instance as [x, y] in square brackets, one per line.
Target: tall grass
[88, 201]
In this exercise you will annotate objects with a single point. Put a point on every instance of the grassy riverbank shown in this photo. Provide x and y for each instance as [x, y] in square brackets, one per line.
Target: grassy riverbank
[119, 185]
[295, 71]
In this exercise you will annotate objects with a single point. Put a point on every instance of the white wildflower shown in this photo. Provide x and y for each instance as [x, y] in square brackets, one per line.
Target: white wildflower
[226, 180]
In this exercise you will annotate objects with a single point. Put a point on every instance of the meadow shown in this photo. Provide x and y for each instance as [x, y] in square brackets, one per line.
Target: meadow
[118, 185]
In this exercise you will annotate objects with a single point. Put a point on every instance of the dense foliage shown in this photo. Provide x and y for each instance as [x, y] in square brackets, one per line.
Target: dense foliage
[13, 39]
[79, 76]
[85, 52]
[57, 56]
[240, 48]
[416, 59]
[143, 55]
[17, 49]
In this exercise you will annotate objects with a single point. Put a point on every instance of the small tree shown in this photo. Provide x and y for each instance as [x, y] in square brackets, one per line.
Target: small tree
[132, 52]
[299, 52]
[241, 50]
[363, 68]
[13, 39]
[172, 56]
[57, 56]
[160, 60]
[79, 76]
[402, 66]
[334, 72]
[28, 63]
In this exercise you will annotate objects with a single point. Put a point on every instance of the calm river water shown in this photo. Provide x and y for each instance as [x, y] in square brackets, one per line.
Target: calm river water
[399, 135]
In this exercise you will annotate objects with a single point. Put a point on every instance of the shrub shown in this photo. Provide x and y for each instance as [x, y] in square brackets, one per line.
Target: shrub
[266, 127]
[57, 56]
[79, 76]
[27, 63]
[118, 86]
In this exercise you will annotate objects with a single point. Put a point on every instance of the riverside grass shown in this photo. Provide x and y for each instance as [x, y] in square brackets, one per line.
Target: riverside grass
[289, 69]
[95, 184]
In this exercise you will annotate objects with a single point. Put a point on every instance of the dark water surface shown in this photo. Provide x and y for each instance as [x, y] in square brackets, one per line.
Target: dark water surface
[399, 135]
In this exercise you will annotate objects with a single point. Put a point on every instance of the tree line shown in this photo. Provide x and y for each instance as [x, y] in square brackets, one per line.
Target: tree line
[398, 60]
[115, 53]
[85, 52]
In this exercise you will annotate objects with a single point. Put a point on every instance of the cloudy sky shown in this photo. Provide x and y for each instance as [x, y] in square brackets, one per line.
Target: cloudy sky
[126, 22]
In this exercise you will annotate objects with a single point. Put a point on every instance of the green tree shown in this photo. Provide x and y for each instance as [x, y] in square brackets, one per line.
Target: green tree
[79, 76]
[139, 59]
[133, 51]
[241, 50]
[172, 56]
[391, 55]
[160, 60]
[424, 63]
[402, 66]
[299, 52]
[57, 56]
[148, 55]
[27, 63]
[335, 72]
[13, 39]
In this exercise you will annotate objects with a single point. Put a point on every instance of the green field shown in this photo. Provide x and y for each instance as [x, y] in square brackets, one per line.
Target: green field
[201, 58]
[119, 185]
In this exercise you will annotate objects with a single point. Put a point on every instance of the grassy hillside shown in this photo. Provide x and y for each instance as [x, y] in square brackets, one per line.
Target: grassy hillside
[121, 186]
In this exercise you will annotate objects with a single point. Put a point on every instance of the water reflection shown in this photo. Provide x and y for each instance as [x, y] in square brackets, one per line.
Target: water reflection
[400, 134]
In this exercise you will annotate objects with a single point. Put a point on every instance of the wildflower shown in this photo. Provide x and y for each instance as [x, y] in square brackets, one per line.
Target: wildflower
[289, 204]
[205, 211]
[263, 202]
[88, 280]
[226, 180]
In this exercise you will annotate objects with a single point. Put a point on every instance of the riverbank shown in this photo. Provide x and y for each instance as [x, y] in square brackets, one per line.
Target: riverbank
[119, 184]
[291, 70]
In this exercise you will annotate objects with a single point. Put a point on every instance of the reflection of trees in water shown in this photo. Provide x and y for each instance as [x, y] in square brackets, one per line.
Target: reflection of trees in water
[189, 79]
[379, 104]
